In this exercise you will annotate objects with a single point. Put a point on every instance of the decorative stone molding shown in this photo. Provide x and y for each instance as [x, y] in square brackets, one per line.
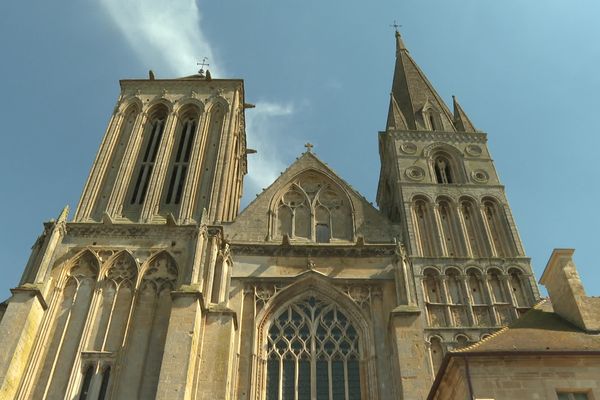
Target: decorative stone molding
[269, 250]
[479, 176]
[448, 137]
[473, 150]
[408, 148]
[131, 231]
[415, 173]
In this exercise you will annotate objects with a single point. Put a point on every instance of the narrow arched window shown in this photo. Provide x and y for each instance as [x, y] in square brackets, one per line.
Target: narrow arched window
[432, 287]
[313, 351]
[147, 159]
[104, 384]
[86, 383]
[436, 352]
[476, 287]
[443, 170]
[425, 227]
[517, 284]
[496, 286]
[499, 229]
[180, 160]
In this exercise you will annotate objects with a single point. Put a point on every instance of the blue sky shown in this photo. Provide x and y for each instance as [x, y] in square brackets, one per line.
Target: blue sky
[525, 72]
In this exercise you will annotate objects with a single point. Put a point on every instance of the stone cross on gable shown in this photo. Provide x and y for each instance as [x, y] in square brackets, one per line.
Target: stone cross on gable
[309, 147]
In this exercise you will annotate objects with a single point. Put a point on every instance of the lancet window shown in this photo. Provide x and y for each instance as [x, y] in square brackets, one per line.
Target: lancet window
[499, 230]
[474, 229]
[147, 157]
[450, 228]
[425, 224]
[313, 352]
[180, 159]
[436, 352]
[519, 287]
[313, 208]
[496, 286]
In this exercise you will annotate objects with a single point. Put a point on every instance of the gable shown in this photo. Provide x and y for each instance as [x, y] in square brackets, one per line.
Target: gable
[308, 203]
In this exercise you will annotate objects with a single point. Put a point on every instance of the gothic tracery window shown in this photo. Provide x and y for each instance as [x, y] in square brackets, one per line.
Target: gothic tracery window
[313, 352]
[314, 209]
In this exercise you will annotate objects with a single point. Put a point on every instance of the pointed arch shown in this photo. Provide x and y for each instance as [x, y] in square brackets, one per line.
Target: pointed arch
[68, 315]
[316, 287]
[116, 291]
[148, 329]
[313, 206]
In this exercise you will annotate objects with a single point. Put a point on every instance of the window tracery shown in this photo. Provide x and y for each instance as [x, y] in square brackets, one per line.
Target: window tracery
[313, 352]
[314, 208]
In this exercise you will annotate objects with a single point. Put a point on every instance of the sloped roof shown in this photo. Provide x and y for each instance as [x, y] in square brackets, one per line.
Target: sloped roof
[252, 222]
[539, 330]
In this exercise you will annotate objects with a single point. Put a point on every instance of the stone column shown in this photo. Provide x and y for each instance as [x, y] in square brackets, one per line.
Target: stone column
[467, 299]
[215, 374]
[465, 231]
[490, 299]
[18, 330]
[114, 207]
[439, 232]
[182, 347]
[487, 233]
[412, 373]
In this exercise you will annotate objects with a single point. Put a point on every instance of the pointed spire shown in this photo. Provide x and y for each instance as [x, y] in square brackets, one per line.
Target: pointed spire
[461, 121]
[399, 42]
[395, 118]
[411, 91]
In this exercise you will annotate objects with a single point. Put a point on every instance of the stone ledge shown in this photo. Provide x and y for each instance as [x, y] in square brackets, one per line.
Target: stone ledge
[32, 290]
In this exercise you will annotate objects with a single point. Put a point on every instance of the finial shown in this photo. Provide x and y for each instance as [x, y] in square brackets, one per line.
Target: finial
[309, 147]
[395, 25]
[202, 65]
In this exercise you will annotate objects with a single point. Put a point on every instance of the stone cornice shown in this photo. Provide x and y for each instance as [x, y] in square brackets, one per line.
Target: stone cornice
[273, 250]
[131, 231]
[448, 137]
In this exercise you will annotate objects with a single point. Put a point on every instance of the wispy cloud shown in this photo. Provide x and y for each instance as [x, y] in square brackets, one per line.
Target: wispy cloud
[263, 124]
[167, 35]
[165, 32]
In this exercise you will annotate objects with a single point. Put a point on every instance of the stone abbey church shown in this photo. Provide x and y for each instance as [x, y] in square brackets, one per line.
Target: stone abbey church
[160, 287]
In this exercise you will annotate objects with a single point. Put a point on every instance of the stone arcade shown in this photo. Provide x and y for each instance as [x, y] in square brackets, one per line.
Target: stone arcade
[160, 288]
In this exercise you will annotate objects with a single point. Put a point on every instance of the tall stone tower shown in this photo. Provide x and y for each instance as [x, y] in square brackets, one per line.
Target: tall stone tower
[439, 182]
[105, 296]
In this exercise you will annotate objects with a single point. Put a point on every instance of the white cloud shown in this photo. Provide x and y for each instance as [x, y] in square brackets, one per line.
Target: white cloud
[167, 35]
[165, 32]
[263, 124]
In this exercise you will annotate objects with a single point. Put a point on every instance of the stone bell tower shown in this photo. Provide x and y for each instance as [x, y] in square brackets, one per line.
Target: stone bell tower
[143, 270]
[172, 149]
[439, 181]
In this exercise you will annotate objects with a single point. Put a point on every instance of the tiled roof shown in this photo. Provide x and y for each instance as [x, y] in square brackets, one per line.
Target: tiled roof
[540, 329]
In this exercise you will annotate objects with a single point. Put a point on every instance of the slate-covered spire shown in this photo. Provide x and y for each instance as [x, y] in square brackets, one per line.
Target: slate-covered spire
[461, 121]
[420, 105]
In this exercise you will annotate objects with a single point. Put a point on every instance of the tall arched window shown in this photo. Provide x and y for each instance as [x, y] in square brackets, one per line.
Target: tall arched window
[180, 159]
[518, 286]
[474, 230]
[104, 384]
[476, 287]
[216, 122]
[313, 352]
[499, 229]
[495, 282]
[450, 228]
[425, 225]
[147, 157]
[436, 352]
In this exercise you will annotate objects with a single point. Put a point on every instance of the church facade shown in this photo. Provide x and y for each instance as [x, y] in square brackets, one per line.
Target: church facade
[159, 287]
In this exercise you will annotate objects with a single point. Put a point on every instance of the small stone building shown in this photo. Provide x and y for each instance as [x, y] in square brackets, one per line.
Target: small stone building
[552, 352]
